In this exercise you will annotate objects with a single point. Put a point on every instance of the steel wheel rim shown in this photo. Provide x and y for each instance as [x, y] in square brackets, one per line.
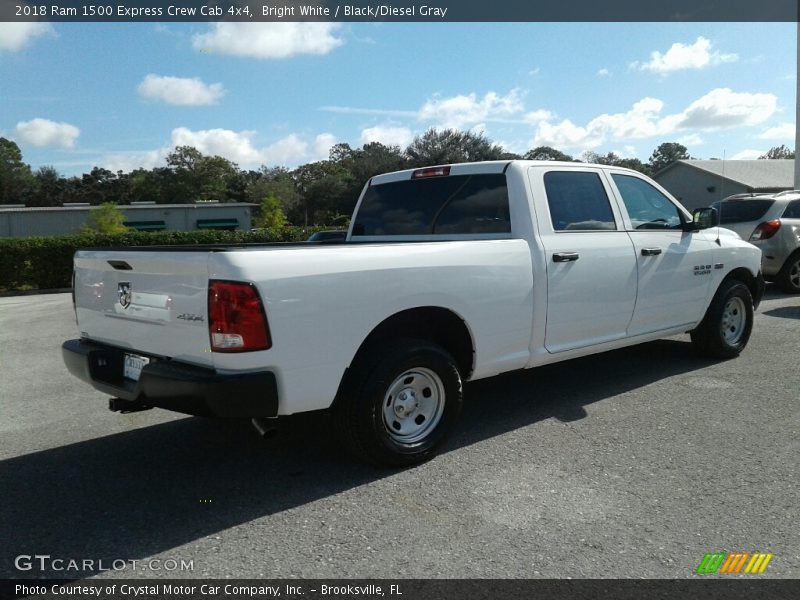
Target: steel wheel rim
[413, 405]
[734, 317]
[794, 274]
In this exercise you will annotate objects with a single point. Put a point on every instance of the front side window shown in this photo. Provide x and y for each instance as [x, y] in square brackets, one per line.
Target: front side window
[578, 201]
[647, 207]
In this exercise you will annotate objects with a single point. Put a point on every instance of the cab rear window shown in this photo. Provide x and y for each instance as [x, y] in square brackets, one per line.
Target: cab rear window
[450, 205]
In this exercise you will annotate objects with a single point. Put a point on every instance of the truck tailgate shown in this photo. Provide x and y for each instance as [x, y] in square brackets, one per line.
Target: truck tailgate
[153, 303]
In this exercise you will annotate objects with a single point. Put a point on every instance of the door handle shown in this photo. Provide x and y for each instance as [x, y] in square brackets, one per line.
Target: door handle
[651, 251]
[565, 256]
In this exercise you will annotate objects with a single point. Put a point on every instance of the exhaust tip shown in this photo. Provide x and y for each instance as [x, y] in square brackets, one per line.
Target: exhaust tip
[265, 427]
[124, 407]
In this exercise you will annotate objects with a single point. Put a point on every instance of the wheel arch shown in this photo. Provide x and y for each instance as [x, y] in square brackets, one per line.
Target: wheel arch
[441, 326]
[755, 283]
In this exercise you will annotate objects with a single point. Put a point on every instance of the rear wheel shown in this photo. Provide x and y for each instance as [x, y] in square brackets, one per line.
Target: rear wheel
[725, 330]
[400, 403]
[789, 276]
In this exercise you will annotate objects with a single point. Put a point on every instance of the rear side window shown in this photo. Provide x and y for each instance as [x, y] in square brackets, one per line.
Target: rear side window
[742, 211]
[458, 204]
[792, 210]
[578, 201]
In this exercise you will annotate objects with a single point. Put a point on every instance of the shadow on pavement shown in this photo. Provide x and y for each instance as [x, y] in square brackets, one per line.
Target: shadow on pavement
[784, 312]
[143, 492]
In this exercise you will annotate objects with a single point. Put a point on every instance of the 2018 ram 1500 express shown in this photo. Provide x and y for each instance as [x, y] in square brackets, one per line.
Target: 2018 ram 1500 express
[448, 274]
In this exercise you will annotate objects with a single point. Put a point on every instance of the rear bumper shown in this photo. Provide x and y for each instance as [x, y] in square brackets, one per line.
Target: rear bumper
[172, 385]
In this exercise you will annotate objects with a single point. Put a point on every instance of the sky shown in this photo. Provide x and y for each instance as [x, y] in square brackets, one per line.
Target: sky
[123, 95]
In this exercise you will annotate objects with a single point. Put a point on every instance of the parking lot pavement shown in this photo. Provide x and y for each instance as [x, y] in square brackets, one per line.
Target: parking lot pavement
[633, 463]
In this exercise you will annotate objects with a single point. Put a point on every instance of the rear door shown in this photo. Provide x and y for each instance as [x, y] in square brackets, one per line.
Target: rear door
[591, 266]
[153, 303]
[675, 266]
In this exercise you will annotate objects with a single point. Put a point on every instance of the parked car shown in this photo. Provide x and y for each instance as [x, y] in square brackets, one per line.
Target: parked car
[771, 222]
[450, 273]
[328, 236]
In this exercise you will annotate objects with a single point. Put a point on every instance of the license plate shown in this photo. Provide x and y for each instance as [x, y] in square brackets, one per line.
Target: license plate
[133, 366]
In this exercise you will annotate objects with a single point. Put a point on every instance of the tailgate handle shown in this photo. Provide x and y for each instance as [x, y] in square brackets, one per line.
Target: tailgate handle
[566, 256]
[651, 251]
[120, 265]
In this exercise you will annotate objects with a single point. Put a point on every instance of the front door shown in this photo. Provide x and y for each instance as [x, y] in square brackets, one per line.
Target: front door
[674, 266]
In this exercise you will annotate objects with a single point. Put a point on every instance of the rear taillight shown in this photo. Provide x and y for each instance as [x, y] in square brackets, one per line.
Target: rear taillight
[430, 172]
[236, 318]
[765, 230]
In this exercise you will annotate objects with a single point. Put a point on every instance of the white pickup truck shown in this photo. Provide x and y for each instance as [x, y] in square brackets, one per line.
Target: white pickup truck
[447, 274]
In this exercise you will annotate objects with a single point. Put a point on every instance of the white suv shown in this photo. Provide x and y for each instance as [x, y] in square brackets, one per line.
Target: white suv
[772, 223]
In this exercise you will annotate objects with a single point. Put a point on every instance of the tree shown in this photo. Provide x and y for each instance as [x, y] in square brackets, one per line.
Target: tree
[323, 190]
[107, 218]
[16, 179]
[778, 152]
[50, 188]
[272, 215]
[547, 153]
[362, 164]
[200, 177]
[272, 181]
[436, 147]
[614, 160]
[666, 154]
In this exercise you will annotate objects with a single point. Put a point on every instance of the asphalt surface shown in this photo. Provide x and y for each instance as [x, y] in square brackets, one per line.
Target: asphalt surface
[633, 463]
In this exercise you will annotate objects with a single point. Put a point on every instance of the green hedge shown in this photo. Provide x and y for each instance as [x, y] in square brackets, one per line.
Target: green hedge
[46, 262]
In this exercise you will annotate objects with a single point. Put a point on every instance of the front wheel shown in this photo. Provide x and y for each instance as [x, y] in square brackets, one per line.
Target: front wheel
[400, 403]
[726, 327]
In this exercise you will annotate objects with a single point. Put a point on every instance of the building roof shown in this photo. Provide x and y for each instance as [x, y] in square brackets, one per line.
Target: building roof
[754, 174]
[126, 207]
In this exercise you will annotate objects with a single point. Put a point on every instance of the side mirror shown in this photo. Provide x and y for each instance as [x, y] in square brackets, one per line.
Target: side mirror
[703, 218]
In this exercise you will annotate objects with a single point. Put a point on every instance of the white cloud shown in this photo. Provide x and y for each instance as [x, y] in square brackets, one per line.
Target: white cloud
[603, 73]
[720, 108]
[682, 57]
[130, 161]
[537, 116]
[723, 107]
[322, 146]
[15, 36]
[285, 151]
[535, 72]
[567, 135]
[233, 145]
[268, 40]
[461, 111]
[180, 91]
[388, 135]
[237, 146]
[641, 121]
[784, 131]
[748, 154]
[45, 133]
[693, 139]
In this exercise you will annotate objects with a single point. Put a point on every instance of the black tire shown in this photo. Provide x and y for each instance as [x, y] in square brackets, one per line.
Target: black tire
[789, 276]
[726, 327]
[425, 376]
